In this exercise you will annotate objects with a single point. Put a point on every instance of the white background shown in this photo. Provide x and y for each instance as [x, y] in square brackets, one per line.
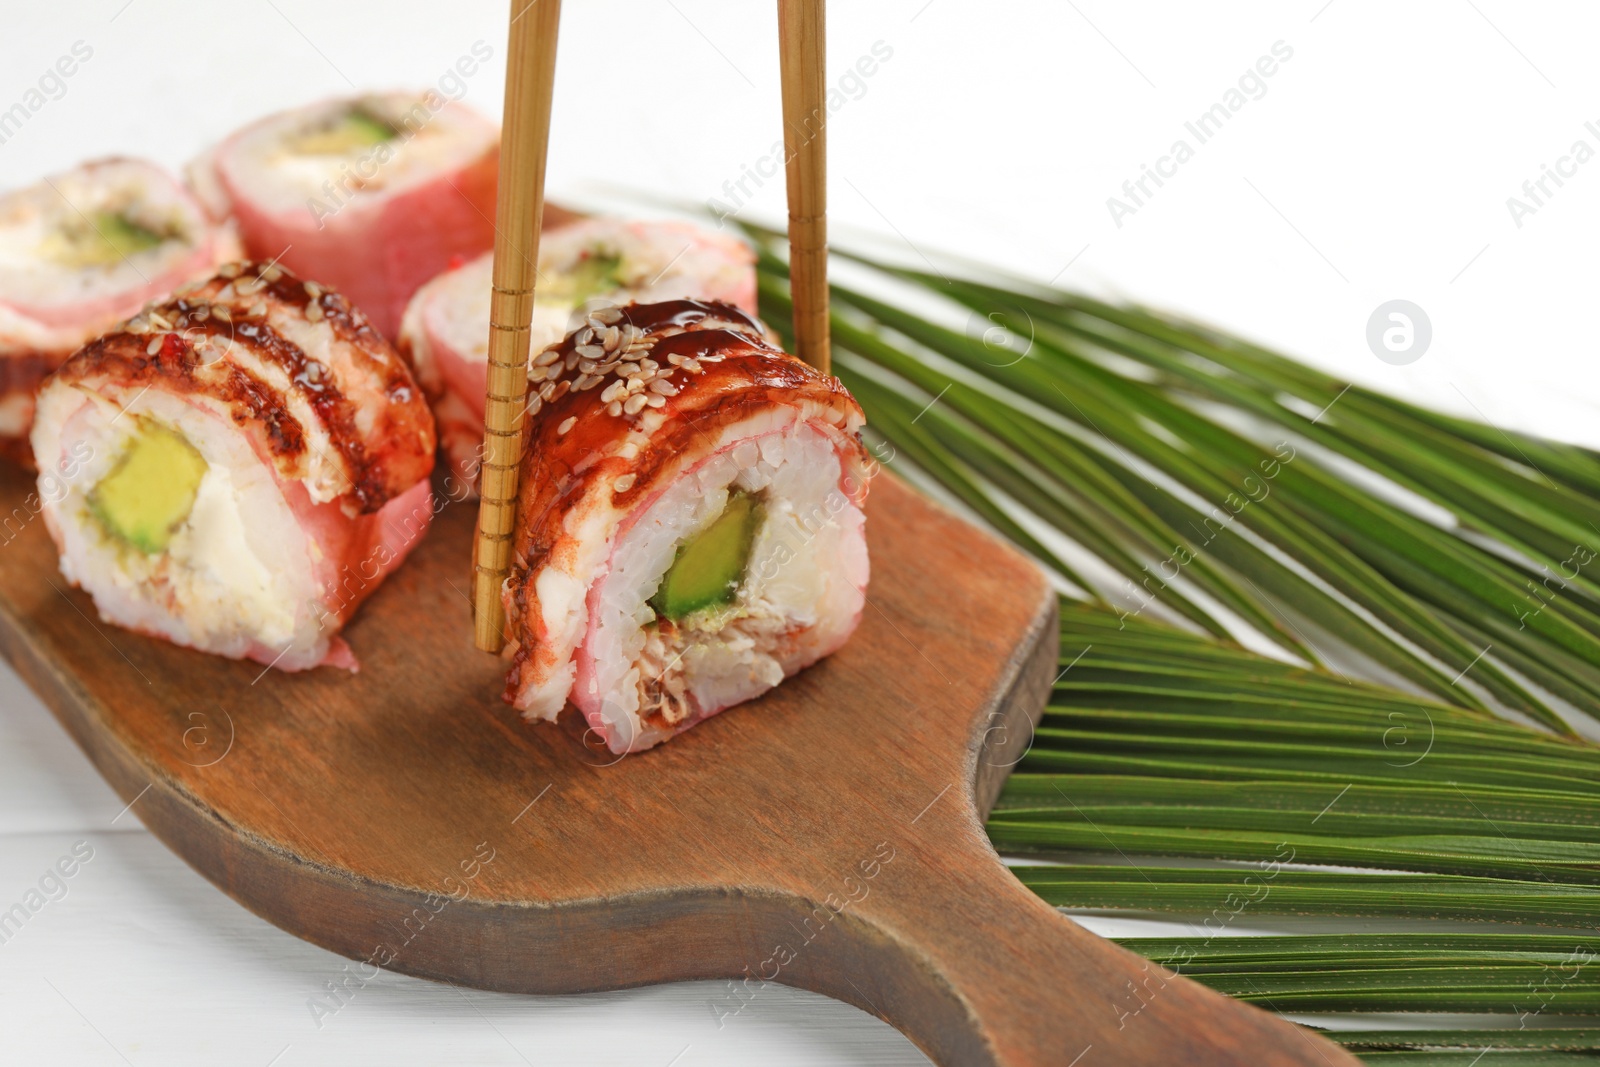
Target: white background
[1377, 165]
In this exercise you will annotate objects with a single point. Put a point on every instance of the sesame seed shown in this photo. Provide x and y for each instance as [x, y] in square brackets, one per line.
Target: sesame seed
[585, 335]
[635, 385]
[547, 357]
[614, 391]
[650, 365]
[566, 424]
[272, 273]
[221, 312]
[314, 312]
[547, 390]
[606, 368]
[628, 451]
[534, 405]
[675, 359]
[230, 270]
[260, 309]
[585, 381]
[313, 290]
[635, 404]
[590, 352]
[608, 316]
[614, 408]
[627, 370]
[613, 336]
[559, 391]
[153, 347]
[587, 366]
[663, 387]
[692, 366]
[624, 483]
[655, 401]
[554, 371]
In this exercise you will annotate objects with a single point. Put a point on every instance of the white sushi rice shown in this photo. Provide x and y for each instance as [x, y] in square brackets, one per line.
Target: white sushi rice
[656, 261]
[41, 227]
[235, 577]
[802, 591]
[269, 164]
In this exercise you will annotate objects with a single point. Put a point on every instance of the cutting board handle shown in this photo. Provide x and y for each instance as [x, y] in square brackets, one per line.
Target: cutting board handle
[979, 970]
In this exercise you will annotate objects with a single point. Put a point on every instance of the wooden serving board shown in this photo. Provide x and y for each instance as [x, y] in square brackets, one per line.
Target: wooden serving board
[827, 836]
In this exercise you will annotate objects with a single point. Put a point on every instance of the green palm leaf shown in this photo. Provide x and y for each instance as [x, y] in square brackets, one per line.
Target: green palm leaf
[1176, 774]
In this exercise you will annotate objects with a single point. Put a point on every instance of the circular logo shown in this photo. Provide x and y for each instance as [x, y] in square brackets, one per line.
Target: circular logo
[1399, 332]
[1005, 332]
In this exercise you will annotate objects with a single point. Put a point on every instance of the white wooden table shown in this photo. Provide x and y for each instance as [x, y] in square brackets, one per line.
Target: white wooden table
[1376, 164]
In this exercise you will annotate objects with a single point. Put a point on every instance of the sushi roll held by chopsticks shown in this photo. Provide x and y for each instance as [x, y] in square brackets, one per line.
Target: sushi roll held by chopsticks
[80, 252]
[240, 466]
[372, 195]
[689, 530]
[592, 263]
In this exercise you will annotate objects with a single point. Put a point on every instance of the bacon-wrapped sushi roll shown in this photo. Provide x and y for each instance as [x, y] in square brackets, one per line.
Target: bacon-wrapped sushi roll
[373, 195]
[690, 528]
[597, 262]
[80, 252]
[237, 468]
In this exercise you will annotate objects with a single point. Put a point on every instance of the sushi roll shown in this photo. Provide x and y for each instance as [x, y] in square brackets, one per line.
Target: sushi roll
[372, 195]
[80, 252]
[593, 263]
[237, 468]
[690, 528]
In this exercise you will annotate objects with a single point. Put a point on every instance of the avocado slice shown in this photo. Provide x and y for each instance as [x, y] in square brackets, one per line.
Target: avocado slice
[357, 128]
[595, 274]
[125, 236]
[710, 566]
[151, 489]
[109, 238]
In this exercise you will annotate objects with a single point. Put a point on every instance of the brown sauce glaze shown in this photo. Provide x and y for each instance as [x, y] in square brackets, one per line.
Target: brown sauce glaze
[741, 374]
[312, 380]
[125, 359]
[23, 371]
[364, 373]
